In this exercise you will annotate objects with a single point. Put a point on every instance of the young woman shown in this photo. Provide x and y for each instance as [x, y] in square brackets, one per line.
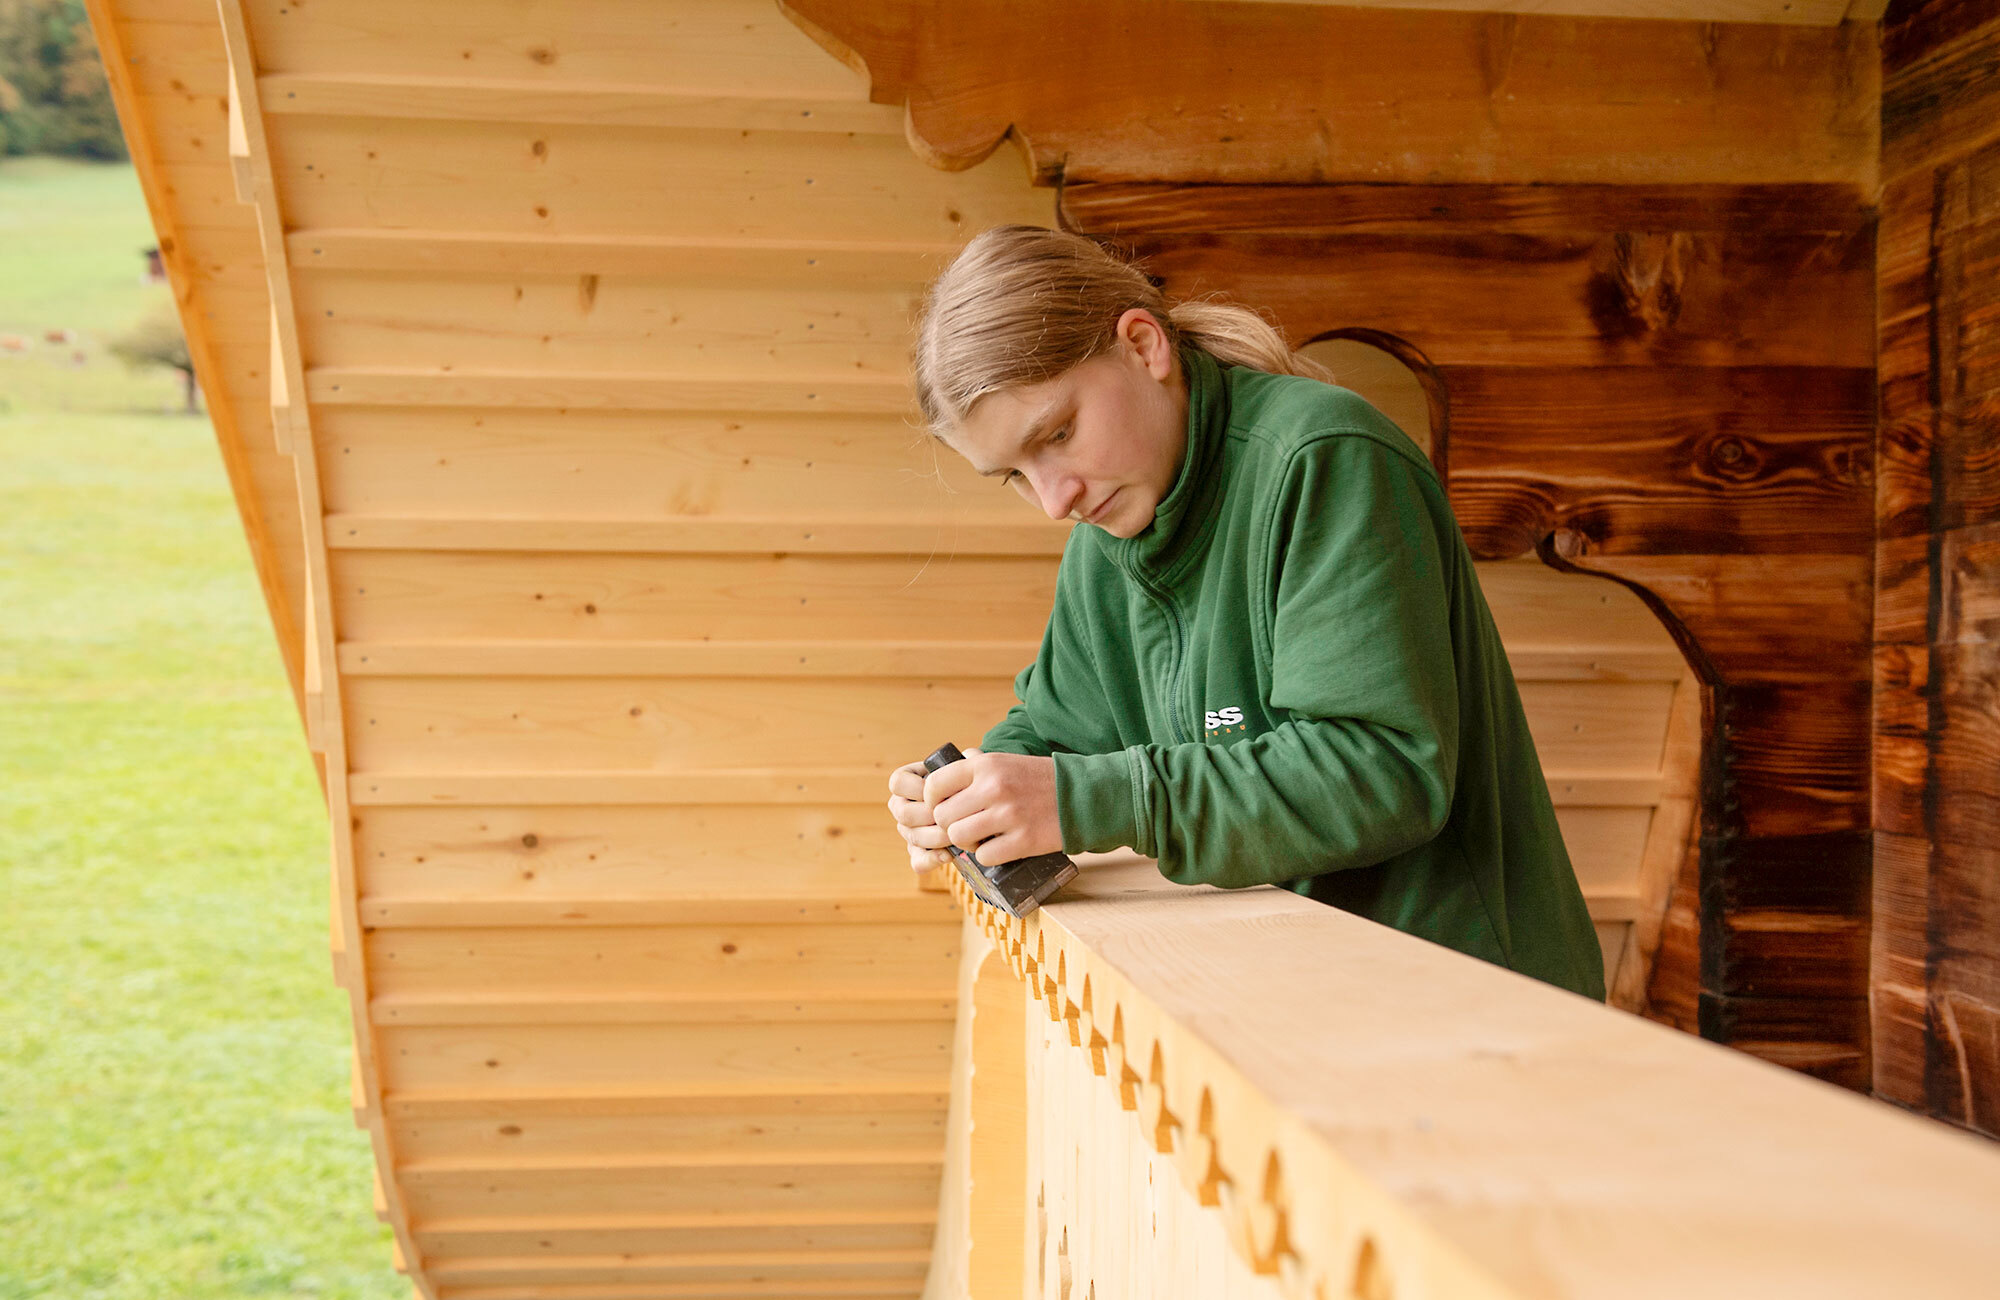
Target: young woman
[1269, 660]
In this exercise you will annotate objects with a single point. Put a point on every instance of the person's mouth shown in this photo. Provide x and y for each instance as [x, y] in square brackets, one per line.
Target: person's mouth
[1102, 506]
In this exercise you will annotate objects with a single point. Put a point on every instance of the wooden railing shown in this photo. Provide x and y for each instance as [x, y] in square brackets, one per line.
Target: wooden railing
[1164, 1091]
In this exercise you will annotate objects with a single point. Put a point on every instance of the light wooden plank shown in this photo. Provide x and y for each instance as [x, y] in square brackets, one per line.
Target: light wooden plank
[899, 659]
[642, 1106]
[1533, 604]
[559, 726]
[220, 254]
[169, 57]
[800, 259]
[799, 1270]
[241, 168]
[698, 963]
[575, 1235]
[706, 860]
[1508, 1076]
[819, 659]
[1665, 848]
[648, 1284]
[753, 786]
[1585, 662]
[693, 391]
[1610, 908]
[620, 326]
[734, 1060]
[1604, 727]
[1022, 533]
[860, 1154]
[762, 1128]
[805, 1005]
[390, 595]
[1604, 844]
[642, 104]
[718, 47]
[577, 726]
[890, 900]
[202, 195]
[532, 462]
[597, 181]
[188, 128]
[763, 786]
[563, 1198]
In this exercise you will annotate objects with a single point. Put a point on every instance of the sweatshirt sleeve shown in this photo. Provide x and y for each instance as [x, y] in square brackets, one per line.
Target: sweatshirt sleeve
[1361, 767]
[1060, 704]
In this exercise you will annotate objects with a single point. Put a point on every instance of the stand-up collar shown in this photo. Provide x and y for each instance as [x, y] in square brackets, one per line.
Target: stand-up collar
[1182, 518]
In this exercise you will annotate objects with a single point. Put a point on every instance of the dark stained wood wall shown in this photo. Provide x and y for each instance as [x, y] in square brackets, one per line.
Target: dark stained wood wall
[1634, 264]
[1936, 981]
[1671, 387]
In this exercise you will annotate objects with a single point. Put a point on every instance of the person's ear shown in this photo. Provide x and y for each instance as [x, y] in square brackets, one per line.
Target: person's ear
[1142, 330]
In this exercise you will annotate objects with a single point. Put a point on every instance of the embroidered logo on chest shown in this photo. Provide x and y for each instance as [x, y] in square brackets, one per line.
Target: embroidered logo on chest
[1225, 720]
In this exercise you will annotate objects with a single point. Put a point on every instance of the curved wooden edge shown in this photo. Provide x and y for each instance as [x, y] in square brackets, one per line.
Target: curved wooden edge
[257, 187]
[229, 436]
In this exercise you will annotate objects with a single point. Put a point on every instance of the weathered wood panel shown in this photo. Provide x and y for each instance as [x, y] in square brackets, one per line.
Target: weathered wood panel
[1618, 428]
[1936, 801]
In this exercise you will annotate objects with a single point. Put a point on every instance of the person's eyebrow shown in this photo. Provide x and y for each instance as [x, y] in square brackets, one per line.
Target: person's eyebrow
[1036, 428]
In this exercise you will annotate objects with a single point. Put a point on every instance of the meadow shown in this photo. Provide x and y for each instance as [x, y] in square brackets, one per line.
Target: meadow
[173, 1054]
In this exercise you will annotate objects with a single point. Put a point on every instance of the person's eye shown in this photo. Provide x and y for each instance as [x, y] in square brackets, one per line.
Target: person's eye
[1012, 474]
[1062, 434]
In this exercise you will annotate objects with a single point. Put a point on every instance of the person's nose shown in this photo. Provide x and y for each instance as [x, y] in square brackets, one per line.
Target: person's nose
[1059, 495]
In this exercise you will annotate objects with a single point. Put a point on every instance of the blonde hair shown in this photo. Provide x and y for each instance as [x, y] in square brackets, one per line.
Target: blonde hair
[1023, 304]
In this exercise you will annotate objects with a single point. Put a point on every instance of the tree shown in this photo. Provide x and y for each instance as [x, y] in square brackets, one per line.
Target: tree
[156, 340]
[54, 97]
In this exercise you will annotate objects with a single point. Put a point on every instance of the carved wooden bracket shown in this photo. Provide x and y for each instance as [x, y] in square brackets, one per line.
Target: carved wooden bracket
[1138, 90]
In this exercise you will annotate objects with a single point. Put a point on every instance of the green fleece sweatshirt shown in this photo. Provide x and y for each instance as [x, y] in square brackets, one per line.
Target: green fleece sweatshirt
[1291, 677]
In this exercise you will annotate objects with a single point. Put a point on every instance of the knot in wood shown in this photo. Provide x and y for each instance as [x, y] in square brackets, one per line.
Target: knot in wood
[1732, 459]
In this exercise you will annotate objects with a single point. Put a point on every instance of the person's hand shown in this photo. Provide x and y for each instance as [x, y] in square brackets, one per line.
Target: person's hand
[913, 818]
[1001, 805]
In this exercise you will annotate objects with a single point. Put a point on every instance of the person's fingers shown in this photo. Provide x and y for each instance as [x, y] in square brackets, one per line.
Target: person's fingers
[967, 832]
[907, 781]
[1004, 847]
[960, 806]
[946, 782]
[910, 812]
[925, 837]
[925, 859]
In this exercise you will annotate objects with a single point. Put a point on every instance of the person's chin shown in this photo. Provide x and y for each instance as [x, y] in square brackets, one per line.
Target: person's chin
[1118, 527]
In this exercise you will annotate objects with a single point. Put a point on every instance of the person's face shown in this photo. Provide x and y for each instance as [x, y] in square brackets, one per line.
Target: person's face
[1101, 442]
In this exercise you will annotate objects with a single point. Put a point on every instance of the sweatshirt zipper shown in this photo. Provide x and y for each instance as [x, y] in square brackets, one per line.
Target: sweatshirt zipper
[1179, 665]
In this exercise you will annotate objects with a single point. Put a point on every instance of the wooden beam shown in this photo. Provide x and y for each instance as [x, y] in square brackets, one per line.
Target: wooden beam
[1305, 1152]
[1297, 93]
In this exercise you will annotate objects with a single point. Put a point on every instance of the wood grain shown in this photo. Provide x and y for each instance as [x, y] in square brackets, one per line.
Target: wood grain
[1256, 95]
[1591, 409]
[1936, 929]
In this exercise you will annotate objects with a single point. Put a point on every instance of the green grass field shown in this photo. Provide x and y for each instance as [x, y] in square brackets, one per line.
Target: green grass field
[173, 1055]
